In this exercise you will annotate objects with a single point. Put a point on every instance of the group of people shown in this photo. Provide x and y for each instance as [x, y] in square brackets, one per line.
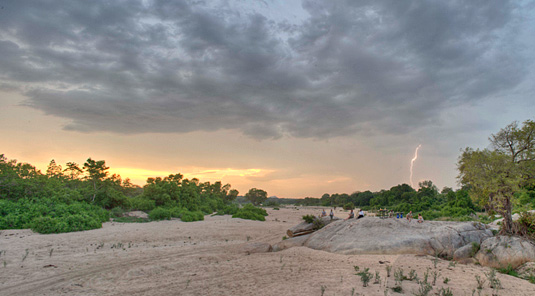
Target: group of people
[420, 218]
[351, 214]
[361, 215]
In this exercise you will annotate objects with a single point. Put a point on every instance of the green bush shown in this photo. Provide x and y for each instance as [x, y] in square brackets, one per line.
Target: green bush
[188, 216]
[251, 212]
[116, 212]
[248, 215]
[309, 218]
[160, 213]
[349, 206]
[142, 204]
[228, 210]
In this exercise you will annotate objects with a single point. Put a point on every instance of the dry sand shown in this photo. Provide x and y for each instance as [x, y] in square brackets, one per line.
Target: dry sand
[208, 258]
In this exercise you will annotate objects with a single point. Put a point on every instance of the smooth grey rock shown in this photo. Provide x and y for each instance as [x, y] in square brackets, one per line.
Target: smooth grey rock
[307, 228]
[463, 252]
[501, 251]
[297, 241]
[371, 235]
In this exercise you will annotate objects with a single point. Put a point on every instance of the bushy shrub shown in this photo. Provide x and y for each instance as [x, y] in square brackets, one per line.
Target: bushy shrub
[188, 216]
[116, 212]
[206, 209]
[228, 210]
[309, 218]
[525, 225]
[47, 216]
[349, 206]
[251, 212]
[248, 215]
[142, 204]
[160, 213]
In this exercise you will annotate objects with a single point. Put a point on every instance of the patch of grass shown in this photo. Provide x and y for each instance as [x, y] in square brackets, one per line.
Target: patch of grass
[508, 270]
[365, 276]
[397, 289]
[446, 280]
[494, 282]
[445, 292]
[323, 288]
[388, 270]
[480, 282]
[284, 237]
[475, 249]
[424, 289]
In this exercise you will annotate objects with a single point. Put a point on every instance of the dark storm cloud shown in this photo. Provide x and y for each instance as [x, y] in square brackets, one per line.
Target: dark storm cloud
[182, 66]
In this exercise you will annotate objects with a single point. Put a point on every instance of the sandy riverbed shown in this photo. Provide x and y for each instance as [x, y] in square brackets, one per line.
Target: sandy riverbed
[208, 258]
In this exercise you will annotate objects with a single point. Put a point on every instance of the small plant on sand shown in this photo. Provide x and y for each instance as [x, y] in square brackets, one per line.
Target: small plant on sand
[426, 275]
[323, 288]
[435, 275]
[5, 263]
[446, 281]
[284, 237]
[435, 261]
[398, 276]
[480, 282]
[25, 255]
[388, 270]
[50, 254]
[397, 289]
[445, 292]
[412, 275]
[352, 291]
[377, 278]
[452, 264]
[424, 289]
[365, 276]
[494, 282]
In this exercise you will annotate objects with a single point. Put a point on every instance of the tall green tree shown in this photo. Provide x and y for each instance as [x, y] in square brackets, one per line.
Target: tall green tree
[256, 196]
[97, 171]
[493, 176]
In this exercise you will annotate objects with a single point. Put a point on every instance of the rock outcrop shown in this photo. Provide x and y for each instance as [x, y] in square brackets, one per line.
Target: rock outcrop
[306, 228]
[501, 251]
[372, 235]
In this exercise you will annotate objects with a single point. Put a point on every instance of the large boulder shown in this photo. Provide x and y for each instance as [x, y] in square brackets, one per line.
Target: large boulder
[501, 251]
[464, 252]
[372, 235]
[297, 241]
[307, 228]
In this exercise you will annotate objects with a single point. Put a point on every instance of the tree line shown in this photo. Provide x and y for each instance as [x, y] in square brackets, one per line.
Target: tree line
[82, 197]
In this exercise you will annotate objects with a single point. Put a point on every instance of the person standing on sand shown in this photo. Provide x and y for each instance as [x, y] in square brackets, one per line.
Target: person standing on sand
[331, 214]
[409, 216]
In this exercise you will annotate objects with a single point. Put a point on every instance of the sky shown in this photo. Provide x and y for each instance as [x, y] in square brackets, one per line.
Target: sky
[298, 98]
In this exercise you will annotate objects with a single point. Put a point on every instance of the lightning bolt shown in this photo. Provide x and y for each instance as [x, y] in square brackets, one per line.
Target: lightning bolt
[412, 162]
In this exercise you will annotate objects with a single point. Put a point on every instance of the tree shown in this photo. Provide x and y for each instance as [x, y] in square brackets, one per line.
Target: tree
[73, 171]
[54, 170]
[493, 176]
[97, 171]
[256, 196]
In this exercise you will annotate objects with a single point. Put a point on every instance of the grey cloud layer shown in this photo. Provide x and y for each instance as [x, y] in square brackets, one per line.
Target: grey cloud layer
[181, 66]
